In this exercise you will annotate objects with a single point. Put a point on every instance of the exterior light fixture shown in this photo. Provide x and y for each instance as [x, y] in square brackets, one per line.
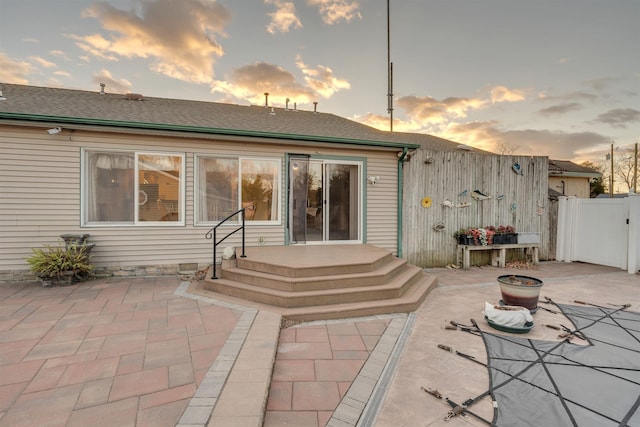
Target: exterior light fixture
[54, 131]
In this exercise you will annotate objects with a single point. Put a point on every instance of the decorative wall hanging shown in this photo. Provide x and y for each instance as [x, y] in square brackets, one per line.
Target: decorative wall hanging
[513, 207]
[426, 202]
[517, 168]
[477, 195]
[463, 205]
[463, 193]
[439, 226]
[500, 197]
[447, 203]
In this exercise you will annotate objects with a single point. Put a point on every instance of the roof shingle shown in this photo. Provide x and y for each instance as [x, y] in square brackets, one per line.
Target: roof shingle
[33, 103]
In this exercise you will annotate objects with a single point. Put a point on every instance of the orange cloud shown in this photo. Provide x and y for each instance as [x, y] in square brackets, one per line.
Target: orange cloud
[180, 36]
[321, 79]
[112, 85]
[504, 94]
[334, 11]
[14, 71]
[432, 111]
[250, 82]
[284, 18]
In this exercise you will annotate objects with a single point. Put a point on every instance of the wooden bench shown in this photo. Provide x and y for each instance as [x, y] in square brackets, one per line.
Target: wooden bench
[498, 253]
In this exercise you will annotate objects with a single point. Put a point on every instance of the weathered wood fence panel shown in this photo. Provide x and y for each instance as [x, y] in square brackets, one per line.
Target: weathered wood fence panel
[448, 178]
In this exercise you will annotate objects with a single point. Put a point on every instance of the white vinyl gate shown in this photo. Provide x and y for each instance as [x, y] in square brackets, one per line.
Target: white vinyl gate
[600, 231]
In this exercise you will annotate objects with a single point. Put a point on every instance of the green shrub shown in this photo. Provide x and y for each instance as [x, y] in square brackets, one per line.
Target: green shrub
[60, 263]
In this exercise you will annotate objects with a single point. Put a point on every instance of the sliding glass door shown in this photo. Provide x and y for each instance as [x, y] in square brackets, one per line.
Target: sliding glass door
[324, 200]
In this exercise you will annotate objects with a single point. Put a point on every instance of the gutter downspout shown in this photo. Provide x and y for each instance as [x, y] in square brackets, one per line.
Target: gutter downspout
[401, 161]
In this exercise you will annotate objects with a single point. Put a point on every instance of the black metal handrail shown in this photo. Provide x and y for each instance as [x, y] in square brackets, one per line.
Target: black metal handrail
[213, 234]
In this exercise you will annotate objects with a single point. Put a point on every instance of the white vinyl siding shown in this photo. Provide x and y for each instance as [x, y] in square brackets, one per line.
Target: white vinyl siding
[40, 197]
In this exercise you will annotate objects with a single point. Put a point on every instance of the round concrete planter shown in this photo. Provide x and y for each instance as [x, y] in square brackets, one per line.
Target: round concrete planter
[522, 291]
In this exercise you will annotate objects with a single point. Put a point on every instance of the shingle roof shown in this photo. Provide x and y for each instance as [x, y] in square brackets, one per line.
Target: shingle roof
[56, 105]
[567, 168]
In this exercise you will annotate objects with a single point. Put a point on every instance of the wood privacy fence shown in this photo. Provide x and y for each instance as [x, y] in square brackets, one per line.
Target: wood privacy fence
[448, 179]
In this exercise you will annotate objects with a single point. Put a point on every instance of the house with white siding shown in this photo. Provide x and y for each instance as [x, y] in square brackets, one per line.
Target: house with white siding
[148, 177]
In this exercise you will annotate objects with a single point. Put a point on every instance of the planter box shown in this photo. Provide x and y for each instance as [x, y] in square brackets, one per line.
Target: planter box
[528, 237]
[511, 238]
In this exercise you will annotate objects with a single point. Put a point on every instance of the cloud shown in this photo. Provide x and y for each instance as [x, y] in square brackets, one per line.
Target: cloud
[560, 109]
[598, 84]
[383, 123]
[179, 36]
[284, 18]
[334, 11]
[42, 62]
[428, 109]
[250, 82]
[13, 71]
[571, 96]
[504, 94]
[62, 74]
[553, 143]
[321, 79]
[112, 85]
[59, 54]
[618, 117]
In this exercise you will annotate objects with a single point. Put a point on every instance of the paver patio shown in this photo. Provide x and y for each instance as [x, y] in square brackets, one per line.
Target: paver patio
[136, 352]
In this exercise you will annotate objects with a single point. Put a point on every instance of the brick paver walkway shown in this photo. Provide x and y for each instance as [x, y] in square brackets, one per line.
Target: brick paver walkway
[116, 352]
[315, 366]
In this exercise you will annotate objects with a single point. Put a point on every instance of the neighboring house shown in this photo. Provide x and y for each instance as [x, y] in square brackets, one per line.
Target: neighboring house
[570, 179]
[148, 177]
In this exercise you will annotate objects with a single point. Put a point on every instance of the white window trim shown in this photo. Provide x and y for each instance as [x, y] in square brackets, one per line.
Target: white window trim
[197, 184]
[84, 188]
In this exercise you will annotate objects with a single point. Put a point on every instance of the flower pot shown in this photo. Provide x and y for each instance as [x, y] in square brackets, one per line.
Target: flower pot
[522, 291]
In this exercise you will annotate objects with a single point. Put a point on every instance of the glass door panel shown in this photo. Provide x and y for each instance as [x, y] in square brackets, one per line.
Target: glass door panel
[298, 187]
[343, 216]
[315, 198]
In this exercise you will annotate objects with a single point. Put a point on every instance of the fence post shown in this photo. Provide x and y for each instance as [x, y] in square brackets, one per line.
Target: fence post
[633, 252]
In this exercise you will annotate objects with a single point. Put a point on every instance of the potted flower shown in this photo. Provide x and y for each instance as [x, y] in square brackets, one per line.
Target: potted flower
[510, 234]
[490, 232]
[462, 236]
[482, 236]
[505, 234]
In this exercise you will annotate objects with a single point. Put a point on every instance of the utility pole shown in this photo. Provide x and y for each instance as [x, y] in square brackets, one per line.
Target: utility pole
[611, 186]
[635, 170]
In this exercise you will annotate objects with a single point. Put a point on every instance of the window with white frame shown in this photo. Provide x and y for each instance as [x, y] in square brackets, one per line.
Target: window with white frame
[133, 188]
[227, 184]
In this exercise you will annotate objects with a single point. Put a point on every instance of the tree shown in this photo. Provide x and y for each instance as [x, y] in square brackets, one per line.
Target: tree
[505, 148]
[624, 166]
[596, 185]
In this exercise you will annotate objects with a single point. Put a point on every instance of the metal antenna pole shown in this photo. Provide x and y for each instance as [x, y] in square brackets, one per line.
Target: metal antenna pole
[389, 70]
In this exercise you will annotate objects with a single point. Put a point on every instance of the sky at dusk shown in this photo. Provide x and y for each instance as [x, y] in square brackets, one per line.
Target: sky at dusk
[558, 78]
